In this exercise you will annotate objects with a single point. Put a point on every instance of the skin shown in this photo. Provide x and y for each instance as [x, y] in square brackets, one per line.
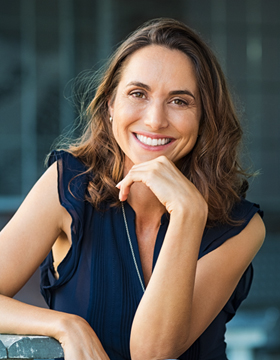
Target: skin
[157, 96]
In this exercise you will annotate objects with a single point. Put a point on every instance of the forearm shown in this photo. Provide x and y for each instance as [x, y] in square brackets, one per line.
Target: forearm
[163, 318]
[20, 318]
[77, 338]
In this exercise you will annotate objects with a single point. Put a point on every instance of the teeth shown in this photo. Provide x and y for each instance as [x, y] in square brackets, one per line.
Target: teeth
[152, 142]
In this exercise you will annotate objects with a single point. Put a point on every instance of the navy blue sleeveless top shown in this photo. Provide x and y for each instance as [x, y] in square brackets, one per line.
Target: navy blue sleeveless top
[98, 279]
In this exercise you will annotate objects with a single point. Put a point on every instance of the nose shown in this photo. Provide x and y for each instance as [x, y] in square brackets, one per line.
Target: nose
[156, 117]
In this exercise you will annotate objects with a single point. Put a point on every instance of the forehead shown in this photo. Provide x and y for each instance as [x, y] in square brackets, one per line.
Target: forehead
[155, 63]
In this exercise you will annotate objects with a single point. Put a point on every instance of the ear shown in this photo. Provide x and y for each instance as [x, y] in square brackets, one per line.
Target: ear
[110, 105]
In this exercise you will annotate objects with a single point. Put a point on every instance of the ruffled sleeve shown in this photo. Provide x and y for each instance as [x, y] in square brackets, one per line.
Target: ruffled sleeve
[216, 236]
[72, 187]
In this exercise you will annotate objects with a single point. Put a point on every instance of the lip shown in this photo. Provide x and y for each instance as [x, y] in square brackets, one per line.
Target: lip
[153, 136]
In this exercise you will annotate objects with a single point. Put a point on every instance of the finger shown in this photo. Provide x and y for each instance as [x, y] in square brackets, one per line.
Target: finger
[143, 175]
[136, 174]
[124, 187]
[155, 174]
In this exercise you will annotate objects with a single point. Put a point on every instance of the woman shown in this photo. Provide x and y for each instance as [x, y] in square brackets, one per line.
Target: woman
[153, 267]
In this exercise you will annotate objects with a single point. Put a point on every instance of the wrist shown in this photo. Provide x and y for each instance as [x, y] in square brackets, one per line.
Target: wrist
[196, 213]
[63, 323]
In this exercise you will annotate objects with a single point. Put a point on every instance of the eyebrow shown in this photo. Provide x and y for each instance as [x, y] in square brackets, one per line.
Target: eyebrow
[140, 84]
[173, 92]
[182, 92]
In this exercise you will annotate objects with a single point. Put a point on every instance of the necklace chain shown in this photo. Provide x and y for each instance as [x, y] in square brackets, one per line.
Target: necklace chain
[131, 248]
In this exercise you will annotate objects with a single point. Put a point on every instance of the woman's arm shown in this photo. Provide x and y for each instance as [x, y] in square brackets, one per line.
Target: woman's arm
[179, 302]
[25, 242]
[27, 239]
[184, 295]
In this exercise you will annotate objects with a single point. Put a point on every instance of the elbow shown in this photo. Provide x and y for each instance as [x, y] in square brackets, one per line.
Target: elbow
[165, 340]
[145, 348]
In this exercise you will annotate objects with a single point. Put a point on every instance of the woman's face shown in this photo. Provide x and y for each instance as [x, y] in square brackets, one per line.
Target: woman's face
[156, 109]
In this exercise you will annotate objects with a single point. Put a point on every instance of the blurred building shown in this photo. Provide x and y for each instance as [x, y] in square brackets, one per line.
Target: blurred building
[45, 44]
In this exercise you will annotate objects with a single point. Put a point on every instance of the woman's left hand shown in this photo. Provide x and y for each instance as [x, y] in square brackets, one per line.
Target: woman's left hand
[166, 181]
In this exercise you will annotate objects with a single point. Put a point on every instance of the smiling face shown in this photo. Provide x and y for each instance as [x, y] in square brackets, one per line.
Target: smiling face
[156, 108]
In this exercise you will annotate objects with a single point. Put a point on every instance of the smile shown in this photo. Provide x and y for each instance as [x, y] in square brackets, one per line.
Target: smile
[152, 142]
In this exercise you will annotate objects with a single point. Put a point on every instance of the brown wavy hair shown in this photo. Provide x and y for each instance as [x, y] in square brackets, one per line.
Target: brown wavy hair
[212, 165]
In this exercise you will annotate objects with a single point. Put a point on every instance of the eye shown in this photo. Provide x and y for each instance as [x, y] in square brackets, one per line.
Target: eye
[138, 94]
[180, 102]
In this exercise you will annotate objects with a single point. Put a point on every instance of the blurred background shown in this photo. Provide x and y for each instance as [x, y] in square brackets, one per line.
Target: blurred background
[45, 44]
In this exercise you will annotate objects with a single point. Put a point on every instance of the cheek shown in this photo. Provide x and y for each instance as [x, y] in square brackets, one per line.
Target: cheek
[190, 128]
[116, 131]
[124, 117]
[120, 133]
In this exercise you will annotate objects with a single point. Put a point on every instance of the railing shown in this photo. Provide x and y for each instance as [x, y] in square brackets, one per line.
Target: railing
[29, 347]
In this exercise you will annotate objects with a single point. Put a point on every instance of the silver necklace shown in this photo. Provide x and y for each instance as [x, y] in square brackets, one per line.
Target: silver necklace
[131, 248]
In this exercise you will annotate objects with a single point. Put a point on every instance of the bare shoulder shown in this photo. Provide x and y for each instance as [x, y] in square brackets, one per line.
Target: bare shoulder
[250, 239]
[237, 252]
[256, 230]
[26, 240]
[43, 201]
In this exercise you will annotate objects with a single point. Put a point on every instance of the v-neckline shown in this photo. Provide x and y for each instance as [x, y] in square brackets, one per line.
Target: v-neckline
[131, 216]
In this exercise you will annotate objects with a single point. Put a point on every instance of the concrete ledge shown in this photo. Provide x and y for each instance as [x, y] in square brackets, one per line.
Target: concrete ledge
[3, 351]
[29, 347]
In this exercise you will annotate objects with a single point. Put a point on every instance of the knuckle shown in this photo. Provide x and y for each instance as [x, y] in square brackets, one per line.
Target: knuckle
[162, 159]
[156, 166]
[160, 162]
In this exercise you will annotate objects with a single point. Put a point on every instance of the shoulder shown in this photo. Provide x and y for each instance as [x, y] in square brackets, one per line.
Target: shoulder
[237, 244]
[252, 235]
[243, 213]
[68, 161]
[244, 210]
[72, 176]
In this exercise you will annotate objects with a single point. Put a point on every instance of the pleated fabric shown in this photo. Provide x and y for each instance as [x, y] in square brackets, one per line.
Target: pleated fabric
[98, 278]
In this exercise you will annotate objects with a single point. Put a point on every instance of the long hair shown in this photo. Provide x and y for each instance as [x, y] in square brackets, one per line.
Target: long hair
[212, 165]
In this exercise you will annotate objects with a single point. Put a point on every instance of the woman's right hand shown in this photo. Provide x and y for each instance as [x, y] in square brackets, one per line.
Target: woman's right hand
[78, 339]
